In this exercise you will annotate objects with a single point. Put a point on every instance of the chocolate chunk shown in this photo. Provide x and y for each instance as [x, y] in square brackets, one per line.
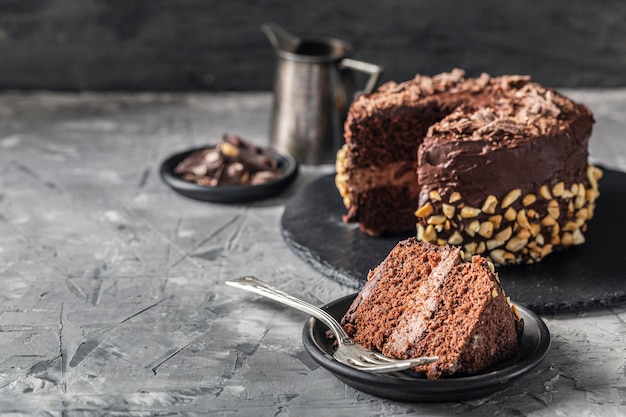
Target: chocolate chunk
[249, 155]
[262, 177]
[233, 173]
[200, 163]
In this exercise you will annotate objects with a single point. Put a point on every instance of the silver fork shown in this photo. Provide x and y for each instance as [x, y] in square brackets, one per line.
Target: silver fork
[348, 352]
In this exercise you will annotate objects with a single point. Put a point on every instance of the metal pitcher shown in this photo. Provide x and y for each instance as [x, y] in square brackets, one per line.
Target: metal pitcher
[313, 89]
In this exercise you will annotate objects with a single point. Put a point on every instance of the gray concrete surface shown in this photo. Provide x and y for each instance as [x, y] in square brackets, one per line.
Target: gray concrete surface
[113, 301]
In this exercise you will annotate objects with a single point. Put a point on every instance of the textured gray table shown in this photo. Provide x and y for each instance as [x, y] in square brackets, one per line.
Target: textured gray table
[113, 300]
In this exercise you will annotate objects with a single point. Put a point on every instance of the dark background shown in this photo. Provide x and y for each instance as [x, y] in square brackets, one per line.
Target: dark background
[204, 45]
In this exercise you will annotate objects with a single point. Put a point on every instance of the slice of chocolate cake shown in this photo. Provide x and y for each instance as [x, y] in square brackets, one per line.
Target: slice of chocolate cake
[425, 300]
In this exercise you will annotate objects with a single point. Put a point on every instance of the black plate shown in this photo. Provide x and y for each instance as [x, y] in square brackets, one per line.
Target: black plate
[580, 278]
[410, 386]
[233, 193]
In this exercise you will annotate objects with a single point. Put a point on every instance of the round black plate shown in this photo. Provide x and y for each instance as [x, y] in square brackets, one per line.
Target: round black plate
[228, 194]
[580, 278]
[410, 386]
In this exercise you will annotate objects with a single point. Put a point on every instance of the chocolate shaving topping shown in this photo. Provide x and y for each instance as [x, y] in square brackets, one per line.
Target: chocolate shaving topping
[232, 162]
[524, 110]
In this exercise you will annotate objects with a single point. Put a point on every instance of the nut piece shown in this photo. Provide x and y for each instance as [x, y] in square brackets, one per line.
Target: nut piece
[212, 156]
[516, 312]
[497, 256]
[456, 238]
[504, 234]
[481, 248]
[553, 209]
[558, 189]
[200, 170]
[494, 293]
[454, 197]
[490, 204]
[486, 229]
[229, 149]
[469, 212]
[539, 239]
[544, 192]
[522, 220]
[578, 237]
[496, 220]
[546, 250]
[494, 243]
[419, 232]
[591, 194]
[511, 197]
[424, 211]
[535, 228]
[472, 228]
[529, 199]
[583, 213]
[515, 244]
[430, 235]
[448, 210]
[532, 214]
[567, 239]
[510, 214]
[570, 226]
[434, 195]
[594, 174]
[470, 248]
[437, 219]
[579, 202]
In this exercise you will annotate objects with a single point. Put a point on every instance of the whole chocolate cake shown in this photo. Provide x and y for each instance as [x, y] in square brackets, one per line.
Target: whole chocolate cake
[497, 165]
[425, 300]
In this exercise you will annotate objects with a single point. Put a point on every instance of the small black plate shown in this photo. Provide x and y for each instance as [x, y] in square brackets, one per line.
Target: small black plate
[229, 194]
[410, 386]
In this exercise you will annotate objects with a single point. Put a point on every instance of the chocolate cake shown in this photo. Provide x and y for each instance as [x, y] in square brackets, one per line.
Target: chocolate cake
[425, 300]
[498, 165]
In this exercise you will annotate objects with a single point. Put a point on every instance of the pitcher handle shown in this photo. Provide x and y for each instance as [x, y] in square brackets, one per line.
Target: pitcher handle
[375, 71]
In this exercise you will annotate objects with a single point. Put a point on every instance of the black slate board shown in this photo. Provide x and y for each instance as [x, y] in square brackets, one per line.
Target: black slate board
[583, 277]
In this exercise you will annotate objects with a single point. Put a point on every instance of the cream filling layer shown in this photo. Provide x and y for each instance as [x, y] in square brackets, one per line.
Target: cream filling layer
[397, 174]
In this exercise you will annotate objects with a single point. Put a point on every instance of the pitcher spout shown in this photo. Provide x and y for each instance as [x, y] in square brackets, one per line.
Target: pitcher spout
[281, 40]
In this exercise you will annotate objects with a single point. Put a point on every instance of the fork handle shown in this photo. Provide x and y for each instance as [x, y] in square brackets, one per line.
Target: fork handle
[255, 285]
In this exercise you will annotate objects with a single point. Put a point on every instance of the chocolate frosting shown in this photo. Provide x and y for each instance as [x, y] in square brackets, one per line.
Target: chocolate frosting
[529, 136]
